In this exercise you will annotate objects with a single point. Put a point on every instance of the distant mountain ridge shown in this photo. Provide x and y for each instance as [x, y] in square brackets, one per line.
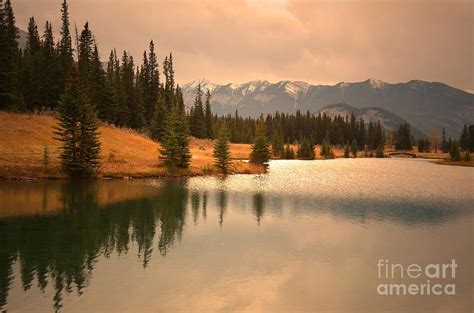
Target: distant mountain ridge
[425, 105]
[389, 121]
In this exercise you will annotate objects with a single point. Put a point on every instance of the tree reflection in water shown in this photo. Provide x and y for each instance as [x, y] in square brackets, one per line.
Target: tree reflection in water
[62, 249]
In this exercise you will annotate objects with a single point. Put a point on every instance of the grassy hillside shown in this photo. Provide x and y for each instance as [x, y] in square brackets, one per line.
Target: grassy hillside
[124, 152]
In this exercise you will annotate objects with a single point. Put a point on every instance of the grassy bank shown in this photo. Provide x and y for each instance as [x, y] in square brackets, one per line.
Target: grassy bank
[125, 153]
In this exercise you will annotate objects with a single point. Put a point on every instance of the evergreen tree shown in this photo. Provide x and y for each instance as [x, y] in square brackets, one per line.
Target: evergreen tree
[362, 138]
[466, 156]
[208, 116]
[130, 108]
[455, 152]
[326, 150]
[379, 152]
[157, 123]
[65, 45]
[9, 59]
[464, 139]
[371, 136]
[378, 135]
[30, 71]
[78, 131]
[260, 150]
[403, 140]
[175, 153]
[354, 149]
[197, 116]
[306, 150]
[444, 143]
[179, 100]
[347, 151]
[421, 145]
[289, 153]
[100, 93]
[277, 144]
[222, 151]
[49, 69]
[151, 81]
[434, 140]
[169, 82]
[85, 51]
[471, 137]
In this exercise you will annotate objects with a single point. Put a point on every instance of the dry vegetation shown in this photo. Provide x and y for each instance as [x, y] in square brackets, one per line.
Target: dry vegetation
[125, 153]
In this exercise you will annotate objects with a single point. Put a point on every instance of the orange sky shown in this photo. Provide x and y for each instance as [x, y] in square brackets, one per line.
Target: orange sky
[315, 41]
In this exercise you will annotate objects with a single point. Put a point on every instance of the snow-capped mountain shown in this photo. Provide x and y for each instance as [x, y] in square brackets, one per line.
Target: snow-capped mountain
[425, 105]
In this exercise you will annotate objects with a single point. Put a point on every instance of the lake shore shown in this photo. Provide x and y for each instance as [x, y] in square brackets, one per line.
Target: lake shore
[125, 153]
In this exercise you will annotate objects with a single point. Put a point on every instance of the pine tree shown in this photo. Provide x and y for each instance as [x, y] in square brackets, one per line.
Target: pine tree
[78, 131]
[403, 140]
[444, 143]
[169, 82]
[306, 150]
[9, 59]
[222, 151]
[421, 145]
[30, 71]
[347, 151]
[175, 153]
[157, 123]
[100, 93]
[260, 150]
[85, 50]
[277, 144]
[49, 69]
[354, 149]
[151, 81]
[65, 45]
[197, 116]
[434, 140]
[208, 116]
[464, 139]
[289, 153]
[466, 156]
[326, 150]
[455, 152]
[379, 152]
[371, 136]
[471, 137]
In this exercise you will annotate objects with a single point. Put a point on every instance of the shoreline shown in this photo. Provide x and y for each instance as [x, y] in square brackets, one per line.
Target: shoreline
[251, 170]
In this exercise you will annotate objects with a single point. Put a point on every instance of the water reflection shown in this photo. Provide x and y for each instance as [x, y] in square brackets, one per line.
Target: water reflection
[66, 245]
[56, 232]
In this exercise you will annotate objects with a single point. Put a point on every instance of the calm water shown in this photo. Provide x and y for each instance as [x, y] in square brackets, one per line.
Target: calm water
[306, 237]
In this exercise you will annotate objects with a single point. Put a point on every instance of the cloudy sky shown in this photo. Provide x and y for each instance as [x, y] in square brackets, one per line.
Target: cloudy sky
[319, 41]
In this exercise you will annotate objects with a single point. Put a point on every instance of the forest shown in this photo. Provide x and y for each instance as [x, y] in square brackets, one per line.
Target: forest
[67, 76]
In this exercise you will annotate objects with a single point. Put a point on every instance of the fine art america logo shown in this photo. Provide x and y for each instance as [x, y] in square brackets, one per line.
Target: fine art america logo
[415, 279]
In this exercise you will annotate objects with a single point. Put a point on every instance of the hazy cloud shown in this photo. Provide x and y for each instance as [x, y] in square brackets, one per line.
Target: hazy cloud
[316, 41]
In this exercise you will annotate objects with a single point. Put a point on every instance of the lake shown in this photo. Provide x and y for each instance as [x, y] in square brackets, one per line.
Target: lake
[306, 237]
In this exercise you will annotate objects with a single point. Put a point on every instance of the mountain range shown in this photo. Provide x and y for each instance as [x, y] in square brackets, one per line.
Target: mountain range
[425, 105]
[389, 121]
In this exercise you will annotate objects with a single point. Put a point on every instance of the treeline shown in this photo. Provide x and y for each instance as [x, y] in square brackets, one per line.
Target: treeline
[71, 80]
[291, 128]
[123, 93]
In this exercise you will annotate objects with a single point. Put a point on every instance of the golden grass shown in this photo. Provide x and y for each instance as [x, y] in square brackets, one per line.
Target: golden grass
[125, 153]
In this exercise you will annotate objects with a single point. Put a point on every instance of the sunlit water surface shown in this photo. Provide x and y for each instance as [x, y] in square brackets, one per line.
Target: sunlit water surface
[306, 237]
